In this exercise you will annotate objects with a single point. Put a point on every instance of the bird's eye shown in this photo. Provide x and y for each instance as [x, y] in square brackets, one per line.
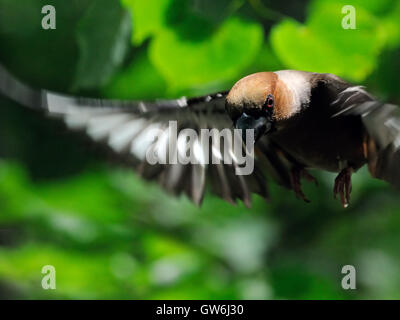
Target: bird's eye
[269, 102]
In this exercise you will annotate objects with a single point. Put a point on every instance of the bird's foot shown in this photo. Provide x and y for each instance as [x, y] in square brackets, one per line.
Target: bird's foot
[343, 186]
[296, 175]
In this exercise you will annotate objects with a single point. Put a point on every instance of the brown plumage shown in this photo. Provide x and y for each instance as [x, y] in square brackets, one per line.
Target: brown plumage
[301, 120]
[252, 91]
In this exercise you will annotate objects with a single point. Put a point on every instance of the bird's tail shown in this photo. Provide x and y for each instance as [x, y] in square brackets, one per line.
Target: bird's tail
[19, 92]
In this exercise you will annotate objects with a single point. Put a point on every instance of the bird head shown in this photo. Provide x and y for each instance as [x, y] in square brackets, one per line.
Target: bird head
[257, 102]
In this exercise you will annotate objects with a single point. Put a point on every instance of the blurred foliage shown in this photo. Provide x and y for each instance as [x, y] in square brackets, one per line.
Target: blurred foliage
[111, 235]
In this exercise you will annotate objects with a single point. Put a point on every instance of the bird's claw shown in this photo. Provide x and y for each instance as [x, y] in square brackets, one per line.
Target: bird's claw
[343, 186]
[297, 174]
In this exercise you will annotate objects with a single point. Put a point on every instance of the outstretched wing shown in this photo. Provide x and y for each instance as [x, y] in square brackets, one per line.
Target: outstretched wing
[128, 127]
[381, 122]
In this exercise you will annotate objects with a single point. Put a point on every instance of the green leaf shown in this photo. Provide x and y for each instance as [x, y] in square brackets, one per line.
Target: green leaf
[103, 37]
[140, 80]
[372, 6]
[186, 62]
[148, 17]
[391, 25]
[322, 45]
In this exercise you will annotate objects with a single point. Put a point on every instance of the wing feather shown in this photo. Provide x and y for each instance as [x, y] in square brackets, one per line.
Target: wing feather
[381, 122]
[127, 129]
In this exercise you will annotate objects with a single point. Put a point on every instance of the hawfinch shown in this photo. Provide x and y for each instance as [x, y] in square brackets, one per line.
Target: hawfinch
[300, 119]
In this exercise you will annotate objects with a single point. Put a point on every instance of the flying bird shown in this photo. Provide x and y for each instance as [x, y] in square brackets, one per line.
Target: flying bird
[301, 120]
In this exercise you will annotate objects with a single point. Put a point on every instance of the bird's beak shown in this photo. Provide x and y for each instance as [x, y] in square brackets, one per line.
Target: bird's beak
[260, 125]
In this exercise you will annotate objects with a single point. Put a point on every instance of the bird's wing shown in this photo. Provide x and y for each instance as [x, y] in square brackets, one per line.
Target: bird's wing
[381, 122]
[330, 90]
[128, 129]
